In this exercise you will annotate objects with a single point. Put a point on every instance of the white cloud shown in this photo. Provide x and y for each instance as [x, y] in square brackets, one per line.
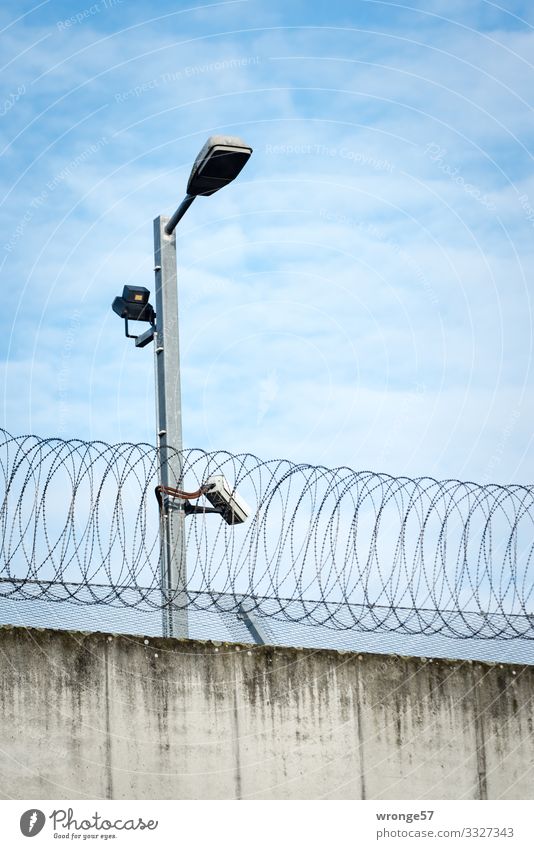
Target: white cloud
[348, 300]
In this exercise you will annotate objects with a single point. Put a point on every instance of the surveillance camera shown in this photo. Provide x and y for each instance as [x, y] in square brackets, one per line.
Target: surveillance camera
[230, 505]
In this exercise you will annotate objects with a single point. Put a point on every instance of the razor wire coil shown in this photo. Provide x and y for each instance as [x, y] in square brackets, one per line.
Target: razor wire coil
[333, 547]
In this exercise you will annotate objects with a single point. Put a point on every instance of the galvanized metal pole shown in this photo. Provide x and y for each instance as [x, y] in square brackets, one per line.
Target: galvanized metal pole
[169, 432]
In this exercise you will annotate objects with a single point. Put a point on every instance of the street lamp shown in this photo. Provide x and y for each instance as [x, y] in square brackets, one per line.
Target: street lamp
[218, 163]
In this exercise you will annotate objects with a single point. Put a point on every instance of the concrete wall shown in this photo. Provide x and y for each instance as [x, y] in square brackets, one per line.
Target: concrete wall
[93, 716]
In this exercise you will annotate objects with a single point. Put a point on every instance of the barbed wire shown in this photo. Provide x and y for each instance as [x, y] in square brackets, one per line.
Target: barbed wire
[79, 522]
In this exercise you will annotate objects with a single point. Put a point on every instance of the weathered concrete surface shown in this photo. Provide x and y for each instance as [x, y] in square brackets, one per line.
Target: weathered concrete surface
[92, 716]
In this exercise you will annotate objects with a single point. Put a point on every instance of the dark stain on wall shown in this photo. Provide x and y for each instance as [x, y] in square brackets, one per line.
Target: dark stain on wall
[239, 721]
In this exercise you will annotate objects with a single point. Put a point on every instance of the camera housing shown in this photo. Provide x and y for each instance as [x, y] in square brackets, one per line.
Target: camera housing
[233, 509]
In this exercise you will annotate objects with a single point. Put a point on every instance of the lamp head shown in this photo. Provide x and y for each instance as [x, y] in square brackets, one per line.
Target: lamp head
[218, 163]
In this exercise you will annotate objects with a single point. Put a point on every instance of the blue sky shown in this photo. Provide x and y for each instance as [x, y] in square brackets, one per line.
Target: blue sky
[360, 296]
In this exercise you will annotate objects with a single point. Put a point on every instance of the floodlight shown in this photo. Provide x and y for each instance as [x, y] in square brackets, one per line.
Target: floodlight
[133, 304]
[218, 163]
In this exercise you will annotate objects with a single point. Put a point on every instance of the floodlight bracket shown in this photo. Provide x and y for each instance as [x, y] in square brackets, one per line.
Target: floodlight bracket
[145, 338]
[126, 328]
